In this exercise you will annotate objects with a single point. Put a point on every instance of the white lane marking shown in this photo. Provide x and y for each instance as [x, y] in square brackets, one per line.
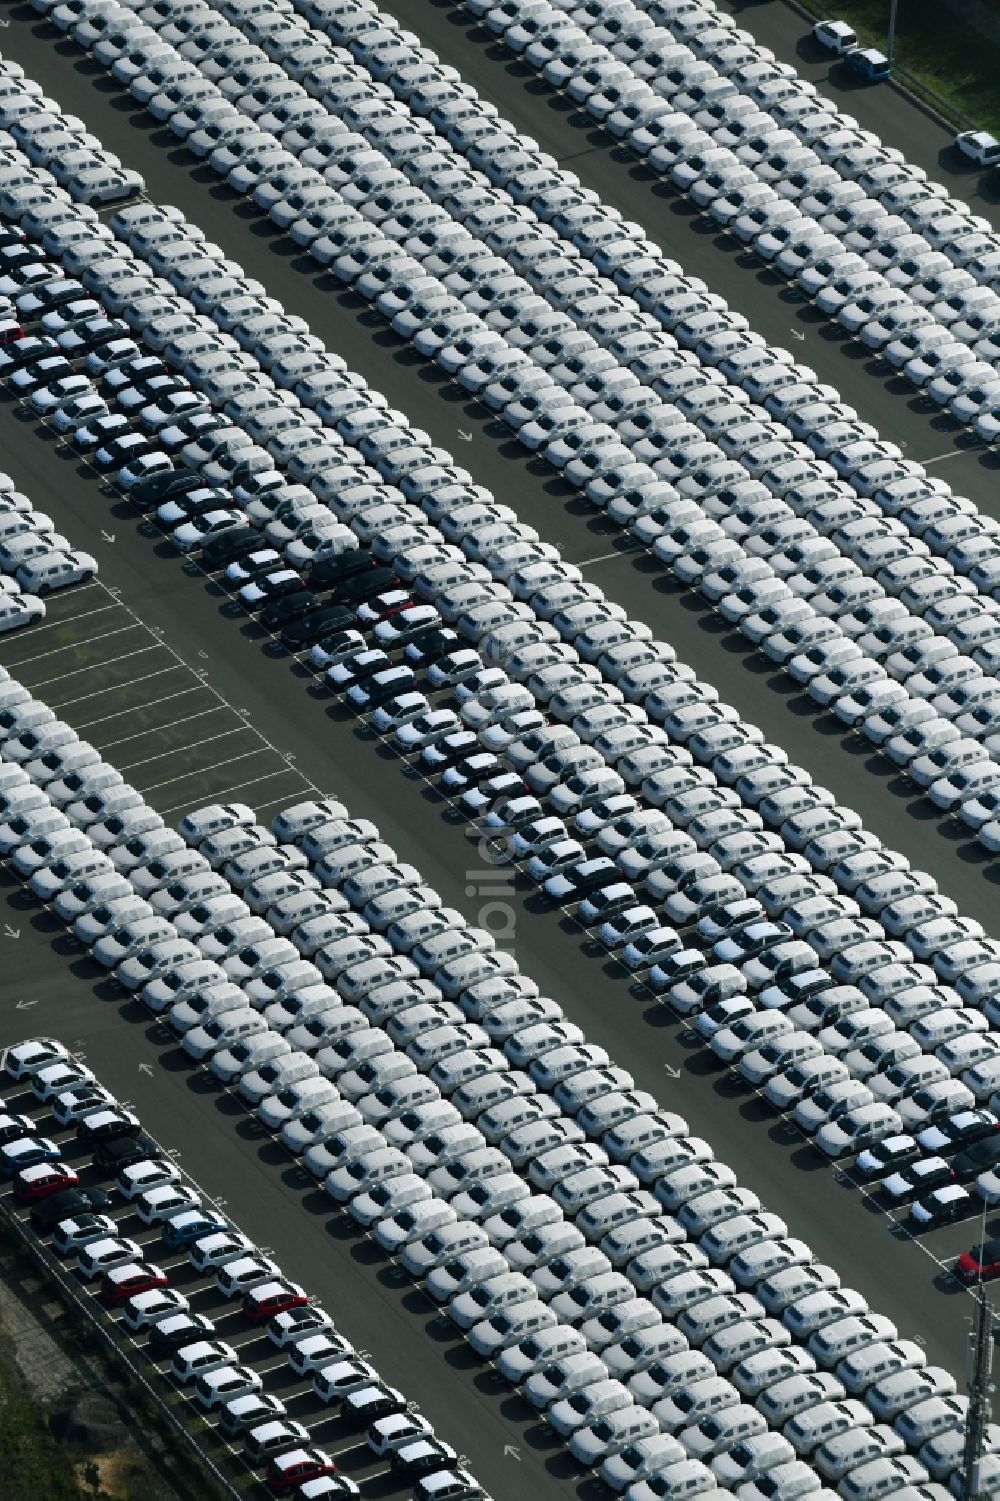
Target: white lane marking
[132, 708]
[939, 458]
[156, 729]
[200, 771]
[58, 651]
[78, 672]
[279, 771]
[236, 729]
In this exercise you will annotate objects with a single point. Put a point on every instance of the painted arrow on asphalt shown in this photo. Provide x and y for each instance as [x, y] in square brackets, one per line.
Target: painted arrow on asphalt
[672, 1073]
[144, 1068]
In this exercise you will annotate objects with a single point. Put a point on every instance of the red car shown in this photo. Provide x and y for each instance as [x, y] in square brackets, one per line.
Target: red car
[288, 1471]
[392, 602]
[272, 1298]
[10, 329]
[43, 1179]
[982, 1262]
[120, 1284]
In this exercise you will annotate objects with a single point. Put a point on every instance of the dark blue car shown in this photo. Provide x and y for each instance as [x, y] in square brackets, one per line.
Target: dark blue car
[869, 63]
[189, 1225]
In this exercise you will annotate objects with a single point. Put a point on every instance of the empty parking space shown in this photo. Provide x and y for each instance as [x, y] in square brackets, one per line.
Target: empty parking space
[121, 686]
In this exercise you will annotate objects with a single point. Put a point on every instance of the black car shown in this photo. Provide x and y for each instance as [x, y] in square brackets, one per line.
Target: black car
[431, 644]
[21, 352]
[111, 1156]
[144, 367]
[253, 566]
[13, 1127]
[314, 625]
[224, 549]
[424, 1456]
[472, 770]
[122, 451]
[978, 1157]
[51, 367]
[449, 750]
[160, 487]
[354, 591]
[382, 686]
[370, 1404]
[91, 333]
[100, 431]
[359, 668]
[47, 1213]
[40, 299]
[177, 435]
[288, 607]
[586, 877]
[192, 503]
[177, 1330]
[18, 252]
[106, 1125]
[327, 572]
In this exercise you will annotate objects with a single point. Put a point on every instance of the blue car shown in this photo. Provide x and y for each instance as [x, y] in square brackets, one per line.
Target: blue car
[26, 1151]
[189, 1225]
[869, 63]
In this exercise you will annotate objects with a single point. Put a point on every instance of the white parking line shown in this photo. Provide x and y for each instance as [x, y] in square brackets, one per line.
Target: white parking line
[51, 623]
[199, 771]
[238, 786]
[939, 458]
[193, 745]
[132, 708]
[58, 651]
[78, 672]
[153, 729]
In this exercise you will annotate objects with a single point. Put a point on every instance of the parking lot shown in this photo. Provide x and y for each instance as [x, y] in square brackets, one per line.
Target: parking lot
[120, 685]
[255, 1350]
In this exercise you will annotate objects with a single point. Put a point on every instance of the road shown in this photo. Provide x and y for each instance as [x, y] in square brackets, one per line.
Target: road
[899, 1279]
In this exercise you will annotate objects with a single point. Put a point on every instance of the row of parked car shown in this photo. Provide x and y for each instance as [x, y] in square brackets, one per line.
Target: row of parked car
[74, 157]
[34, 558]
[799, 620]
[421, 706]
[358, 1061]
[87, 1209]
[754, 142]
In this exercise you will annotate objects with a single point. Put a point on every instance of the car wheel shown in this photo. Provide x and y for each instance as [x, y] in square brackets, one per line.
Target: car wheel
[42, 590]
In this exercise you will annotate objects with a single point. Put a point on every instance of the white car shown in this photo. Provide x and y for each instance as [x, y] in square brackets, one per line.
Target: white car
[55, 570]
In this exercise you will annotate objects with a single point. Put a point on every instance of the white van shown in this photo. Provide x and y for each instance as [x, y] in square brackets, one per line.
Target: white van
[727, 1239]
[824, 1421]
[742, 1340]
[711, 1315]
[873, 1363]
[839, 1339]
[857, 1446]
[882, 1477]
[458, 1071]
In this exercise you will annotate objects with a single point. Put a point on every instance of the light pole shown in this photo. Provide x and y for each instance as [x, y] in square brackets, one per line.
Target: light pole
[892, 29]
[978, 1371]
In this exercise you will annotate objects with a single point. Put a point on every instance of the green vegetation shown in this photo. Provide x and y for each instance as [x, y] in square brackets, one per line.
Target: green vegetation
[944, 54]
[31, 1462]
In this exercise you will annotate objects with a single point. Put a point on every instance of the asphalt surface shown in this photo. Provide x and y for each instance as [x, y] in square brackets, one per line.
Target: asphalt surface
[253, 1347]
[896, 117]
[773, 309]
[151, 714]
[904, 1280]
[846, 763]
